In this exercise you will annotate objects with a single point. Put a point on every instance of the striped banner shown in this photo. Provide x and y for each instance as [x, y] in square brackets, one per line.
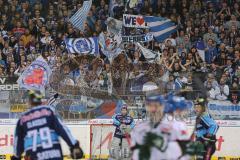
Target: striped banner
[79, 18]
[160, 27]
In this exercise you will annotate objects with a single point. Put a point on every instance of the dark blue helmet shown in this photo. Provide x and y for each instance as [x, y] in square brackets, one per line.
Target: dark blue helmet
[124, 106]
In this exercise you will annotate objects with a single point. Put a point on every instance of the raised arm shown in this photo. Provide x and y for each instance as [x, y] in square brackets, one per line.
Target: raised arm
[180, 63]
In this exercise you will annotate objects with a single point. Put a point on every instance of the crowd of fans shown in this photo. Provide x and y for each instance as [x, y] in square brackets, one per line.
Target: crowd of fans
[29, 28]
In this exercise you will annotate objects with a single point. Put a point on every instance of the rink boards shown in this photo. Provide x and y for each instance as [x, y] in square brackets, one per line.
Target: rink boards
[95, 138]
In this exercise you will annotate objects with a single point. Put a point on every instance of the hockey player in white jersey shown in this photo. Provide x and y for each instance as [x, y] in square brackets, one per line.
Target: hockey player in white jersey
[150, 138]
[154, 139]
[176, 111]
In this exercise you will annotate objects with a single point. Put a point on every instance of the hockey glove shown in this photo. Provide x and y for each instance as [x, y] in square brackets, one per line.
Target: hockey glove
[194, 148]
[76, 151]
[155, 140]
[150, 140]
[125, 129]
[209, 140]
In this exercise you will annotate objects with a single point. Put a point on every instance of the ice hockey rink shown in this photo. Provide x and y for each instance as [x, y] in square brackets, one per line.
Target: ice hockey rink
[95, 138]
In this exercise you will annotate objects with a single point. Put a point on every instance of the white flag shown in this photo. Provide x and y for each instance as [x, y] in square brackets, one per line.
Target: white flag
[36, 76]
[201, 54]
[113, 25]
[148, 54]
[79, 18]
[133, 3]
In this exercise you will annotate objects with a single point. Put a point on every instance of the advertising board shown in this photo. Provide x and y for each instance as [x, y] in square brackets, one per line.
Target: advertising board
[95, 139]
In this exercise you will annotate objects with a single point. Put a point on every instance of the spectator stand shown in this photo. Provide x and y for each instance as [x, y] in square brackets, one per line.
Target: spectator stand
[207, 42]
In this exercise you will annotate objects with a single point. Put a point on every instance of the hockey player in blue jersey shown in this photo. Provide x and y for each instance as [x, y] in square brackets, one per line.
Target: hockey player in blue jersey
[37, 133]
[120, 148]
[205, 129]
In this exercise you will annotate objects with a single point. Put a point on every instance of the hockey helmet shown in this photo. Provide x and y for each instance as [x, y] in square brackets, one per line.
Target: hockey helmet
[35, 96]
[155, 97]
[200, 101]
[176, 102]
[124, 106]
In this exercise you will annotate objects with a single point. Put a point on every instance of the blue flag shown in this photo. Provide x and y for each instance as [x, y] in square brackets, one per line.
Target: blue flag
[200, 46]
[82, 45]
[160, 27]
[80, 16]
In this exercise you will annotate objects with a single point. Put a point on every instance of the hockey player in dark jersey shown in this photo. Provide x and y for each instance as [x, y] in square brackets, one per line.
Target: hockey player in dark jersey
[120, 148]
[205, 129]
[37, 133]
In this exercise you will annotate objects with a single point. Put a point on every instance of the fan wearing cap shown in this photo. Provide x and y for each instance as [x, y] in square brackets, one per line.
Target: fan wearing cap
[37, 133]
[124, 123]
[205, 128]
